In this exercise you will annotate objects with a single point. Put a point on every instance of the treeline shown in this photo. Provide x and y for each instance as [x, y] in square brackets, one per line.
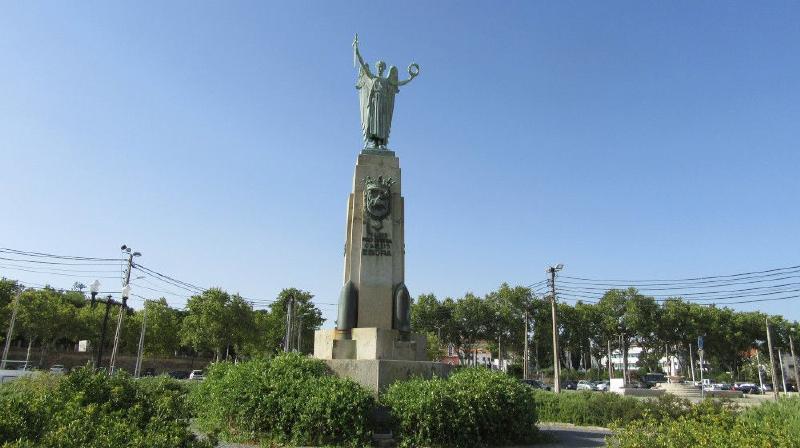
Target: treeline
[214, 323]
[660, 327]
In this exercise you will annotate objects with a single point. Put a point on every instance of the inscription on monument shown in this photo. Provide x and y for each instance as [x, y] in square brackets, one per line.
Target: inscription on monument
[377, 244]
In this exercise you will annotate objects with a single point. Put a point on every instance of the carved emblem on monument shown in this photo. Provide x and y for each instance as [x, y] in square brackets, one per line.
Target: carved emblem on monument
[377, 197]
[377, 206]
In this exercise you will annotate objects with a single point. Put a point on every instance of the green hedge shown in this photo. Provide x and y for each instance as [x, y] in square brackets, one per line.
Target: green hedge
[88, 409]
[473, 407]
[603, 409]
[290, 399]
[773, 424]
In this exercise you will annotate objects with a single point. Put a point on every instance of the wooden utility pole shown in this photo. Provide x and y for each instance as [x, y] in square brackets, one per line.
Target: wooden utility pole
[794, 361]
[772, 361]
[526, 351]
[556, 365]
[289, 308]
[10, 331]
[140, 352]
[121, 316]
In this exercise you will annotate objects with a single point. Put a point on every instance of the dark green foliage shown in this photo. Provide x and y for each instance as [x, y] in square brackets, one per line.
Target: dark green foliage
[603, 409]
[773, 424]
[290, 399]
[474, 407]
[87, 409]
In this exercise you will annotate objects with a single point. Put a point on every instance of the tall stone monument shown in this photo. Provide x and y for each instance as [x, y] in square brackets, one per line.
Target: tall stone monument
[373, 342]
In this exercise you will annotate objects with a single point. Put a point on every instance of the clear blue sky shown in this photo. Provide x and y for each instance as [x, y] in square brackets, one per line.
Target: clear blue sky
[625, 139]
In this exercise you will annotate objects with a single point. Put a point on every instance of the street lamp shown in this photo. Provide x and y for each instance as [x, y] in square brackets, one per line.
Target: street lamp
[103, 333]
[94, 288]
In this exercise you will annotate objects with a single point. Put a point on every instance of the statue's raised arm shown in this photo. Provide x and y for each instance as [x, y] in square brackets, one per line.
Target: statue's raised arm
[357, 57]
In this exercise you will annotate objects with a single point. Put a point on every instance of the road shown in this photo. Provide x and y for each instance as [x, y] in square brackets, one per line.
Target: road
[574, 436]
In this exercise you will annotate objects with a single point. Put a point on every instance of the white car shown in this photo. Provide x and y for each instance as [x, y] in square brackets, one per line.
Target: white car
[602, 385]
[586, 385]
[196, 375]
[58, 368]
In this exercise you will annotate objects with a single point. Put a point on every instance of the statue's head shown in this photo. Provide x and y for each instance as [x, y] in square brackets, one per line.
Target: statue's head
[377, 195]
[381, 66]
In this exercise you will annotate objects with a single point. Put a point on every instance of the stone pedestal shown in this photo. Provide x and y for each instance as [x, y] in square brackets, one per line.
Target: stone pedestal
[378, 374]
[374, 257]
[370, 343]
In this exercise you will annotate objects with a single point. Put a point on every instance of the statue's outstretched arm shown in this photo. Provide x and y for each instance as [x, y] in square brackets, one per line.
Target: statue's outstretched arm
[412, 73]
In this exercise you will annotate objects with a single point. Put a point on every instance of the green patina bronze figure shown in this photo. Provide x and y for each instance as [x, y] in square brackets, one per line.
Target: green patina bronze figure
[376, 94]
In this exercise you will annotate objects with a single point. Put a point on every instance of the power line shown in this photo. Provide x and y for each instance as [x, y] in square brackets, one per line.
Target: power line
[63, 257]
[691, 279]
[52, 273]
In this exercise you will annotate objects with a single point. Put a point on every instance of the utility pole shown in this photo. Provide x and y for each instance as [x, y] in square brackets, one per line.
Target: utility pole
[10, 331]
[139, 353]
[772, 361]
[289, 309]
[556, 365]
[103, 334]
[525, 349]
[126, 288]
[794, 361]
[691, 361]
[608, 362]
[299, 330]
[760, 378]
[783, 377]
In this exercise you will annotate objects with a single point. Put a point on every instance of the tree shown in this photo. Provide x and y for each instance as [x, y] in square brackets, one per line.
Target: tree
[216, 321]
[471, 319]
[307, 317]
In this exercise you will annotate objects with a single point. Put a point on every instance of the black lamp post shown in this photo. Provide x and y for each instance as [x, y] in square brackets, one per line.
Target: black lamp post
[109, 302]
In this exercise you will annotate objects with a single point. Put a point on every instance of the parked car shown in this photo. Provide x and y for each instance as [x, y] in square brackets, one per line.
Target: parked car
[149, 372]
[58, 368]
[569, 385]
[536, 384]
[196, 375]
[749, 388]
[586, 385]
[179, 374]
[601, 385]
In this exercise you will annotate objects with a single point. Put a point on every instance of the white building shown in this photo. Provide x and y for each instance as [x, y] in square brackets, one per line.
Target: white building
[616, 358]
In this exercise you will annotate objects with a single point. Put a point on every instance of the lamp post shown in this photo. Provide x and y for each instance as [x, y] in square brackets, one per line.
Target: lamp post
[94, 288]
[100, 346]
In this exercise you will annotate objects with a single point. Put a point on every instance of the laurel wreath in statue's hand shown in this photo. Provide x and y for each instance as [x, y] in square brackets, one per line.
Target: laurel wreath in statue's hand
[415, 71]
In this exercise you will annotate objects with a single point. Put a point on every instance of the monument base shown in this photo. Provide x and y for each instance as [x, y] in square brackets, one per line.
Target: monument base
[370, 343]
[377, 374]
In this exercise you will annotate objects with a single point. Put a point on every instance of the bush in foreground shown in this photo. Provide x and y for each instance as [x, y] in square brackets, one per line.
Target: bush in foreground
[88, 409]
[290, 399]
[603, 409]
[772, 424]
[473, 407]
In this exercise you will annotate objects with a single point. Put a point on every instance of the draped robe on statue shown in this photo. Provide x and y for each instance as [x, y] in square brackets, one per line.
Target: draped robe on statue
[376, 95]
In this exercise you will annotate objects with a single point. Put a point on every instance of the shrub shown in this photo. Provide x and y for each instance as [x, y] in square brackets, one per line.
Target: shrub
[290, 399]
[603, 409]
[709, 425]
[473, 407]
[88, 409]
